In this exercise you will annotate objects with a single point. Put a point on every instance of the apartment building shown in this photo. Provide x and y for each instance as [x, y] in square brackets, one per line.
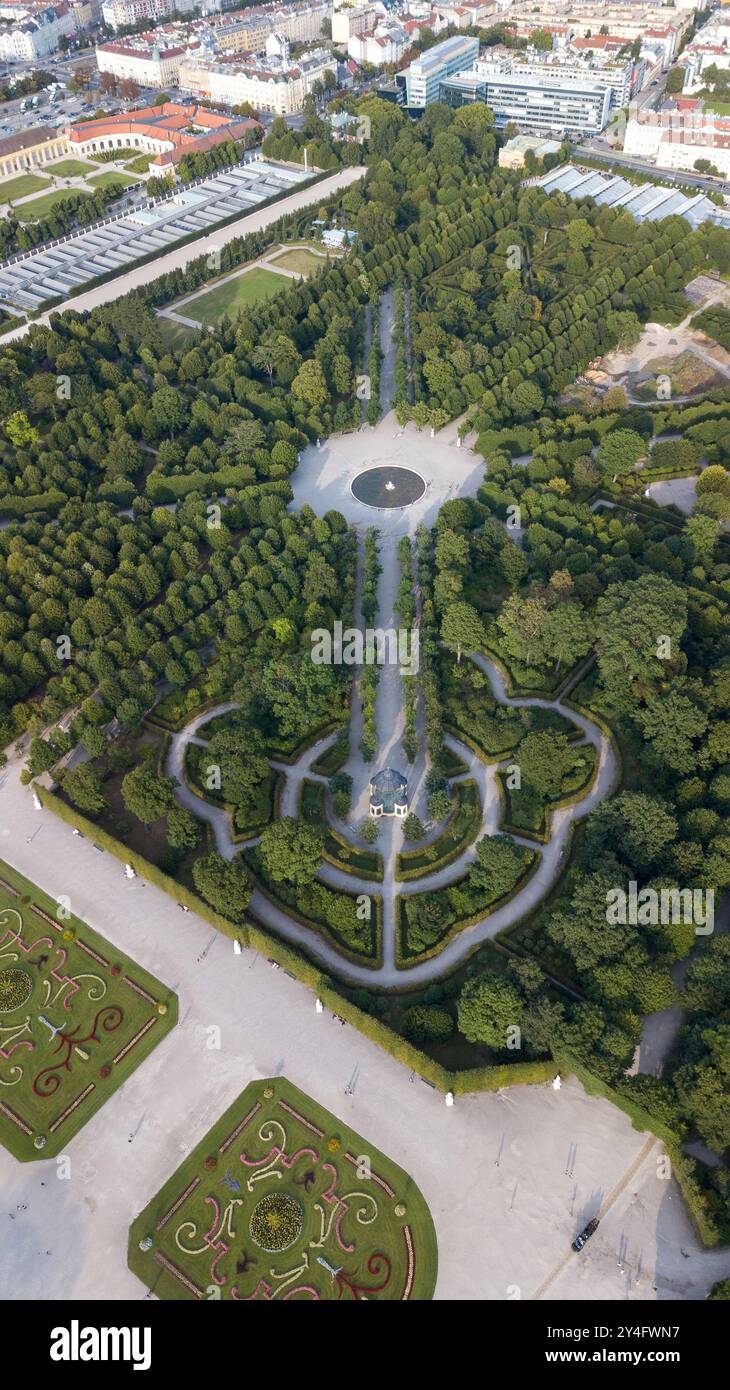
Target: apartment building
[246, 31]
[247, 34]
[676, 138]
[33, 33]
[585, 20]
[346, 23]
[468, 16]
[118, 14]
[300, 23]
[266, 85]
[388, 44]
[710, 46]
[150, 60]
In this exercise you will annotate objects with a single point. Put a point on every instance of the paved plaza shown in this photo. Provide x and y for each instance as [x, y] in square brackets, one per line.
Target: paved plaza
[325, 473]
[509, 1177]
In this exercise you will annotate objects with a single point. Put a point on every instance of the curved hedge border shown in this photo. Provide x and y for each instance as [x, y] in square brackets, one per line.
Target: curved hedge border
[542, 835]
[322, 929]
[405, 961]
[406, 875]
[374, 875]
[18, 507]
[333, 758]
[308, 741]
[488, 758]
[238, 837]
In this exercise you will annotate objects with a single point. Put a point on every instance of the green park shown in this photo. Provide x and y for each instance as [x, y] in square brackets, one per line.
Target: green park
[415, 439]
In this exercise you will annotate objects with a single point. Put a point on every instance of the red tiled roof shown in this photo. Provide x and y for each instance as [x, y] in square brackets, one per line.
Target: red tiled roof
[128, 51]
[168, 122]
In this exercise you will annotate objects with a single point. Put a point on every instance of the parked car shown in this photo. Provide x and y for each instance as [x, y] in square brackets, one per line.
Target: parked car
[585, 1234]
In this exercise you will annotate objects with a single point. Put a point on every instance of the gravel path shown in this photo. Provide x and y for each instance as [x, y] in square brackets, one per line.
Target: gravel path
[389, 718]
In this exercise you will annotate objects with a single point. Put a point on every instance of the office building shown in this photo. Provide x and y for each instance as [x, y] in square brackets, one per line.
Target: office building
[553, 104]
[421, 82]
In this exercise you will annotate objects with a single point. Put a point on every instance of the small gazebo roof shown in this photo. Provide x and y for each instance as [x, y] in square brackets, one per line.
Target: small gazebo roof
[388, 780]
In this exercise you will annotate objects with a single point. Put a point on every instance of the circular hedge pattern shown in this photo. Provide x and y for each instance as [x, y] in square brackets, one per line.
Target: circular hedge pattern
[16, 988]
[276, 1222]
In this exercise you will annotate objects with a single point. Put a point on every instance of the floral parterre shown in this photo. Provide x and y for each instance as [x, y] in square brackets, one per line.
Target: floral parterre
[76, 1019]
[266, 1208]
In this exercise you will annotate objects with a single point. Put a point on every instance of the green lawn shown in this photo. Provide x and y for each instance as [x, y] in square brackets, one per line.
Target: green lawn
[720, 108]
[300, 260]
[70, 168]
[40, 207]
[140, 165]
[282, 1200]
[235, 295]
[12, 189]
[174, 335]
[103, 180]
[107, 1013]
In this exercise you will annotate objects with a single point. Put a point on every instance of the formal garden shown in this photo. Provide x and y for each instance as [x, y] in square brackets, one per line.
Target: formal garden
[77, 1018]
[281, 1200]
[150, 520]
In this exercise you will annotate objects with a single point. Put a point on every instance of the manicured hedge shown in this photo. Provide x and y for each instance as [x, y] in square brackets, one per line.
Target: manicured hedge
[453, 840]
[51, 502]
[333, 758]
[142, 866]
[405, 961]
[320, 926]
[339, 852]
[163, 487]
[541, 831]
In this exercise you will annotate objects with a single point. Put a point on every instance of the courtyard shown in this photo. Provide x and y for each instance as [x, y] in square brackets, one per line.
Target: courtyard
[327, 471]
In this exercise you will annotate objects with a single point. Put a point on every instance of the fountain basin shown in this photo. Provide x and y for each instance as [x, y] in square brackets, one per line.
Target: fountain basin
[388, 487]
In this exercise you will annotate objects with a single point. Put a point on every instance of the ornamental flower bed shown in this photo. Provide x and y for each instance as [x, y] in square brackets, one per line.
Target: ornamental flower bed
[276, 1222]
[278, 1202]
[74, 1025]
[16, 988]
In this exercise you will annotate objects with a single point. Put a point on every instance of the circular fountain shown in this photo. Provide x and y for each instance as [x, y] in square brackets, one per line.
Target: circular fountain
[388, 487]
